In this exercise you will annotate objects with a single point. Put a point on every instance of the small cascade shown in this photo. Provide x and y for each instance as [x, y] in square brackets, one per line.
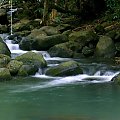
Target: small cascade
[63, 81]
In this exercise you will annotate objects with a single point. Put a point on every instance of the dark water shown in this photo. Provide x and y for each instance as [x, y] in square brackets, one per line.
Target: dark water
[67, 102]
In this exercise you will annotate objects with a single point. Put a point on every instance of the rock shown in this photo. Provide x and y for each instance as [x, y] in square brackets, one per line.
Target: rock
[99, 29]
[42, 42]
[60, 50]
[83, 37]
[116, 79]
[3, 17]
[3, 29]
[26, 70]
[4, 48]
[49, 30]
[105, 47]
[87, 51]
[14, 66]
[5, 74]
[22, 25]
[65, 69]
[31, 58]
[4, 60]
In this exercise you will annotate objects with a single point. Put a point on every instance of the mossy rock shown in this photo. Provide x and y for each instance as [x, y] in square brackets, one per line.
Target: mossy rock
[5, 74]
[60, 50]
[14, 66]
[65, 69]
[4, 60]
[105, 47]
[27, 70]
[4, 49]
[32, 58]
[83, 36]
[49, 30]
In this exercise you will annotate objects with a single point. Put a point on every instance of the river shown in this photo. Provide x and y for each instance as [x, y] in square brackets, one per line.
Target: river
[91, 96]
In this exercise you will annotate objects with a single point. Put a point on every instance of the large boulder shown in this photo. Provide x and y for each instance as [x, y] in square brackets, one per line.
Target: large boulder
[61, 50]
[105, 47]
[42, 42]
[5, 74]
[3, 17]
[14, 66]
[83, 37]
[4, 60]
[32, 58]
[4, 48]
[27, 70]
[65, 69]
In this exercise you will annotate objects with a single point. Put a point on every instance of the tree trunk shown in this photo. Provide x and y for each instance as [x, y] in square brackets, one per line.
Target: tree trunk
[45, 12]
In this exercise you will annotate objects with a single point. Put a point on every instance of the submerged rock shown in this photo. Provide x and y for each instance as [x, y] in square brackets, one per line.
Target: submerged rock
[5, 74]
[65, 69]
[32, 58]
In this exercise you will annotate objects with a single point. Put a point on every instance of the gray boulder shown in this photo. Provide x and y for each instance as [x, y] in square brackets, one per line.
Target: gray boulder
[105, 47]
[5, 74]
[65, 69]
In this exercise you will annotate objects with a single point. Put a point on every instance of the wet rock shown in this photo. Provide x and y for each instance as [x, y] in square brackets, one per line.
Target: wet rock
[27, 70]
[65, 69]
[14, 66]
[4, 60]
[4, 48]
[31, 58]
[116, 79]
[105, 47]
[5, 74]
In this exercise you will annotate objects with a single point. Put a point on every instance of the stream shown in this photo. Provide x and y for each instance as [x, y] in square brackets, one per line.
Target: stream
[90, 96]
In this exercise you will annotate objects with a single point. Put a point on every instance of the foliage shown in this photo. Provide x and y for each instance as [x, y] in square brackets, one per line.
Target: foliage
[113, 8]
